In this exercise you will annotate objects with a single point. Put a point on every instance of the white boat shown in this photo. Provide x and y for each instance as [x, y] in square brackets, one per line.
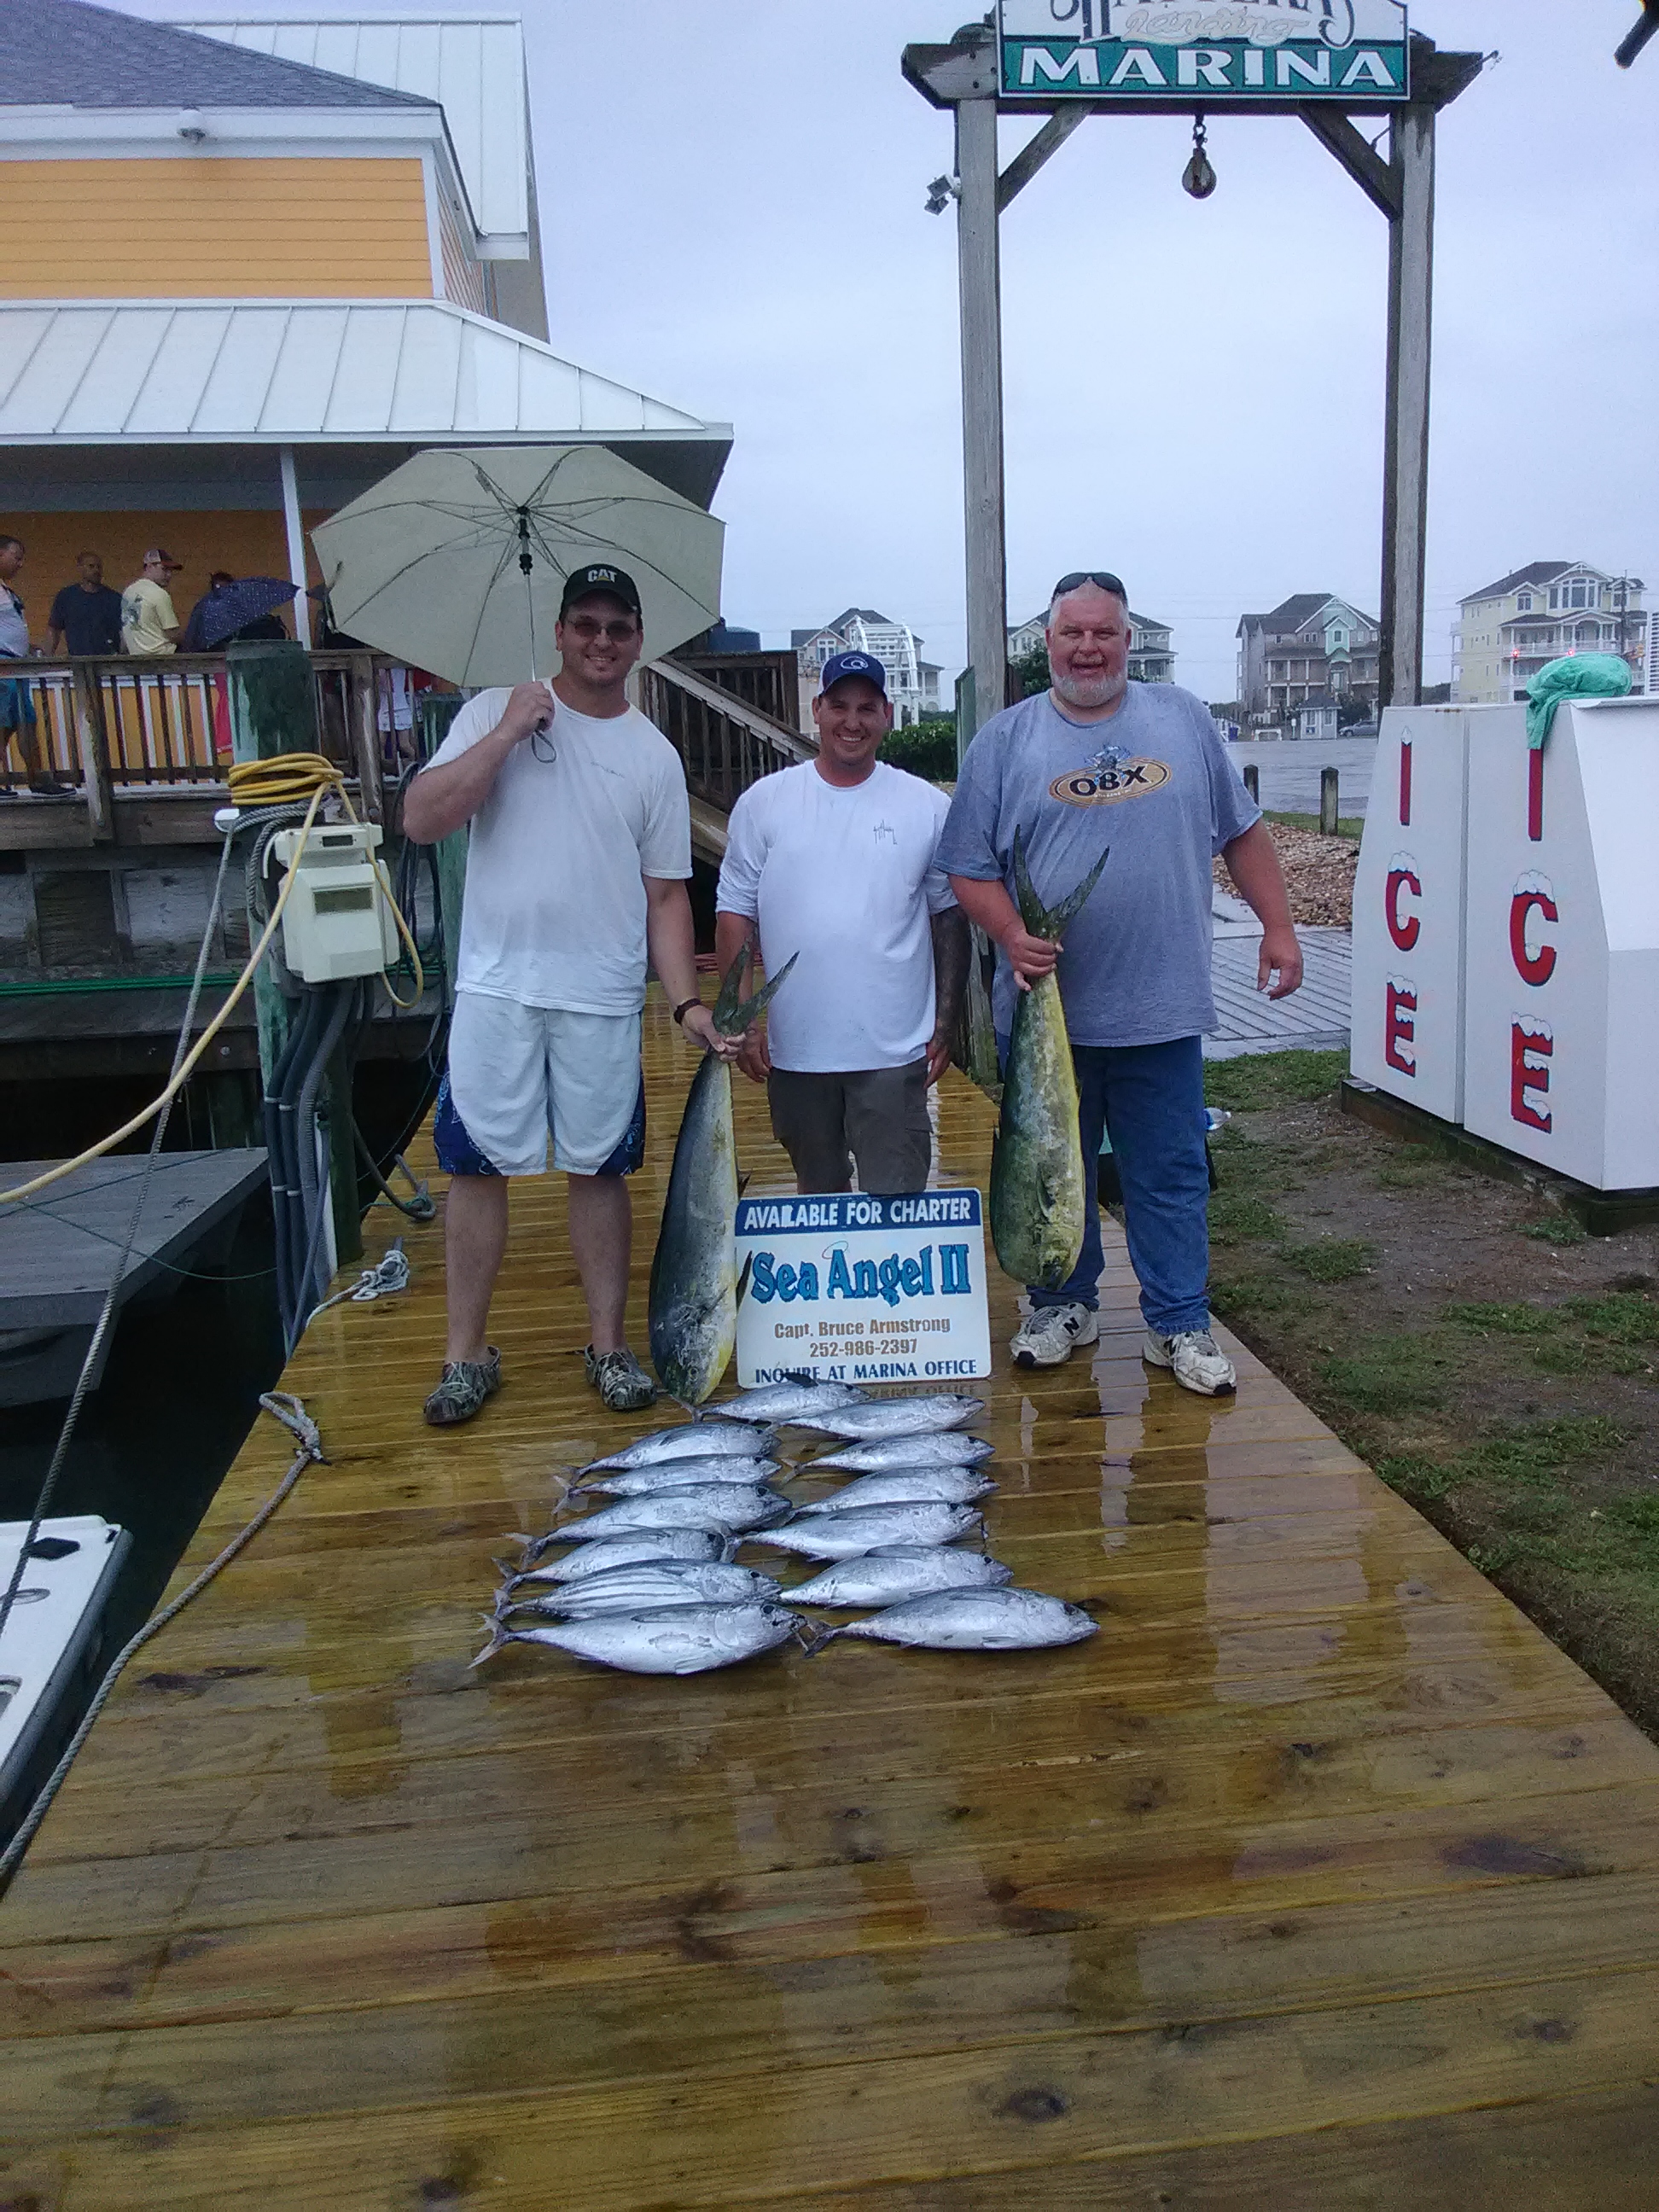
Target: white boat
[51, 1641]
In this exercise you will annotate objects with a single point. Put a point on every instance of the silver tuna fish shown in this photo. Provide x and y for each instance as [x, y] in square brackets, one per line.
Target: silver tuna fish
[839, 1536]
[697, 1440]
[938, 1448]
[647, 1583]
[900, 1416]
[678, 1639]
[692, 1310]
[899, 1570]
[948, 1486]
[727, 1506]
[678, 1475]
[795, 1404]
[597, 1559]
[972, 1620]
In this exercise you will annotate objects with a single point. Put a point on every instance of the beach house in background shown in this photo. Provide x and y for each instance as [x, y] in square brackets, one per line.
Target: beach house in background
[1312, 647]
[912, 681]
[248, 269]
[1151, 656]
[1542, 612]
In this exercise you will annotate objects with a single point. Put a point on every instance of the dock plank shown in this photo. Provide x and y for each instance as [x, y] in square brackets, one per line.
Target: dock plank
[1316, 1859]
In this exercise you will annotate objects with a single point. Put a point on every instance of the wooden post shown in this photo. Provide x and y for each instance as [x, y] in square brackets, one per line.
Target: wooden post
[979, 282]
[363, 734]
[435, 711]
[92, 741]
[1328, 800]
[273, 709]
[1405, 439]
[296, 546]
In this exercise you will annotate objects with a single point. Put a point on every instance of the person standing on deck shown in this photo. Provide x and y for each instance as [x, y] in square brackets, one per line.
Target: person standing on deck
[576, 868]
[86, 615]
[149, 622]
[1099, 763]
[835, 861]
[17, 715]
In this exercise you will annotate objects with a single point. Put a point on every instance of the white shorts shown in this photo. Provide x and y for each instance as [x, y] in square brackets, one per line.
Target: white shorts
[518, 1074]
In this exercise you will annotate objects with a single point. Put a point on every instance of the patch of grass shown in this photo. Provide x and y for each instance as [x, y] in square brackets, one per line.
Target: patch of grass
[1257, 1293]
[1329, 1258]
[1622, 1316]
[1560, 1228]
[1235, 1215]
[1421, 1481]
[1503, 1320]
[1390, 1374]
[1348, 825]
[1413, 1174]
[1612, 1333]
[1535, 1452]
[1261, 1079]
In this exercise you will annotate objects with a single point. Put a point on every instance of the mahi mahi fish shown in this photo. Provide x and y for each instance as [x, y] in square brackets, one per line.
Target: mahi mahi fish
[648, 1583]
[899, 1570]
[677, 1475]
[947, 1486]
[839, 1536]
[900, 1416]
[972, 1620]
[939, 1448]
[693, 1307]
[677, 1639]
[1040, 1195]
[692, 1441]
[794, 1404]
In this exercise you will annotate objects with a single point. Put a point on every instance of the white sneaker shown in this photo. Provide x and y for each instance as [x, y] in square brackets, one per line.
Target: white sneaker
[1048, 1334]
[1196, 1360]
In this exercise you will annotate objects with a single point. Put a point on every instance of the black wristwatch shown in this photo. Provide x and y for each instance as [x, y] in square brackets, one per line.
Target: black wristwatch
[682, 1010]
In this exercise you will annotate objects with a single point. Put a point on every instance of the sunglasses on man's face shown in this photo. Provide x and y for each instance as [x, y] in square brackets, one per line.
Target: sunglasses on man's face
[1103, 578]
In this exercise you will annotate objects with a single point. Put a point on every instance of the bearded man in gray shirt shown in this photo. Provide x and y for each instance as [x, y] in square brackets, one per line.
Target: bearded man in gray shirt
[1099, 763]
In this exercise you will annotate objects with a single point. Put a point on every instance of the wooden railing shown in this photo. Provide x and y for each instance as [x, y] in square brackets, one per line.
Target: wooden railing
[127, 722]
[724, 745]
[768, 682]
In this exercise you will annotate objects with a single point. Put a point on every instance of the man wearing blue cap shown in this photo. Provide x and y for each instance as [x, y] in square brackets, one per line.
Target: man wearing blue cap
[834, 861]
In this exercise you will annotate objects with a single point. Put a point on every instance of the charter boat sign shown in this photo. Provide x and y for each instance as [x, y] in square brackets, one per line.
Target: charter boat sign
[1233, 50]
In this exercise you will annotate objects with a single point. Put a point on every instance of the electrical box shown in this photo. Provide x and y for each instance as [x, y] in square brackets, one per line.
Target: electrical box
[337, 922]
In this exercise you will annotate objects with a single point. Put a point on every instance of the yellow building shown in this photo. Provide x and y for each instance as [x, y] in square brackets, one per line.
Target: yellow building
[247, 269]
[1510, 630]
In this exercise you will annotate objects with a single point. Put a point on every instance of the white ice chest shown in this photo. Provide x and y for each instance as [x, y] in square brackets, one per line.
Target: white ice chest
[1552, 951]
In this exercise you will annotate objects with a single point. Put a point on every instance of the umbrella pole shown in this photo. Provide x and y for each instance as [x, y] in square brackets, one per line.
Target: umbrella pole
[526, 562]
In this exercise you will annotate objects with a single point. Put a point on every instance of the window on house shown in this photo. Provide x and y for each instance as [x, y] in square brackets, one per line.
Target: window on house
[1523, 603]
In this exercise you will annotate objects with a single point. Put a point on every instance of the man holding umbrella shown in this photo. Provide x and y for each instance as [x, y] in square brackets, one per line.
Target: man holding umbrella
[577, 864]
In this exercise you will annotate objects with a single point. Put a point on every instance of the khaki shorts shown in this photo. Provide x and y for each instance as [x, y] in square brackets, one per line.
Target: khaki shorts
[878, 1114]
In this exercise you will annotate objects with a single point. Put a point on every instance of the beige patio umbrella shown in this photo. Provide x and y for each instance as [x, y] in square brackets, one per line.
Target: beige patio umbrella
[456, 560]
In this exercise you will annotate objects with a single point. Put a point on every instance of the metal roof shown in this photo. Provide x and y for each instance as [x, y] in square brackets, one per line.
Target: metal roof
[265, 372]
[474, 70]
[66, 53]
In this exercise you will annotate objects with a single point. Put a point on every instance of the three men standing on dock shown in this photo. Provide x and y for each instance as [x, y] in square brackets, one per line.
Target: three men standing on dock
[577, 865]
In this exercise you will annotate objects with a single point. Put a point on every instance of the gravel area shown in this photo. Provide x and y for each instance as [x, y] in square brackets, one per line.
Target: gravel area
[1318, 871]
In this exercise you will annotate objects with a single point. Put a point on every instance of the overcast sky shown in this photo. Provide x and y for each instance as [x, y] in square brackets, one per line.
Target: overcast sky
[732, 199]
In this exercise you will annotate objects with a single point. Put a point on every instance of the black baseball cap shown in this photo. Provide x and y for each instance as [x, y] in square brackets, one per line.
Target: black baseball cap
[600, 576]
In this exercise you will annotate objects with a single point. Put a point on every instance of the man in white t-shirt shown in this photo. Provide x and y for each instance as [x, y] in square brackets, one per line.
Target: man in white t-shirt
[576, 869]
[834, 861]
[149, 622]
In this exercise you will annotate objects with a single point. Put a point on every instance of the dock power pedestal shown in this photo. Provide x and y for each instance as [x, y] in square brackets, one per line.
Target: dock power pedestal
[337, 922]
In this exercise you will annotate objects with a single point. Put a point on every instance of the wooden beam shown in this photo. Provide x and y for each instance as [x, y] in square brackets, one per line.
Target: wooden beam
[979, 282]
[1405, 440]
[1357, 156]
[1031, 158]
[92, 742]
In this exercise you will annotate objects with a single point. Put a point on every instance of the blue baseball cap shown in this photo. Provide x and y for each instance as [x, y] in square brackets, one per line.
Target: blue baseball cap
[852, 663]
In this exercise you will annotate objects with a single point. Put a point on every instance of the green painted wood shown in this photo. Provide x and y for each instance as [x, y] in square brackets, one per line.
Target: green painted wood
[438, 709]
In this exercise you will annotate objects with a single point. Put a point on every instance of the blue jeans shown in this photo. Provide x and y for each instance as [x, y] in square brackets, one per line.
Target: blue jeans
[1150, 1098]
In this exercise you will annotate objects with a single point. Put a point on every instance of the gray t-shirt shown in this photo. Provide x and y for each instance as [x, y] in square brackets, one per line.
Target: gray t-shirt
[1153, 785]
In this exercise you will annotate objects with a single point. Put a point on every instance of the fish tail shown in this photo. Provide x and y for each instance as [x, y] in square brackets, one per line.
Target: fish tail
[1050, 921]
[728, 1551]
[812, 1636]
[743, 1280]
[730, 995]
[686, 1407]
[731, 1018]
[500, 1633]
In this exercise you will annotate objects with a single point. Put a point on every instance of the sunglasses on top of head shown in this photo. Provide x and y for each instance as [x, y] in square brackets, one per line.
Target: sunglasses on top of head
[1102, 578]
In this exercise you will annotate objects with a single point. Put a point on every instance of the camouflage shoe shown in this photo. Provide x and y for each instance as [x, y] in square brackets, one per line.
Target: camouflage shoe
[620, 1380]
[466, 1384]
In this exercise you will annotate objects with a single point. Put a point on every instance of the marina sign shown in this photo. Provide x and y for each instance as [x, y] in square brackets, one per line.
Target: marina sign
[1219, 51]
[854, 1289]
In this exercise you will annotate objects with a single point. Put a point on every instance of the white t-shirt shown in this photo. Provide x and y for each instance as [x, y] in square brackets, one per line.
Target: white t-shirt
[847, 880]
[580, 813]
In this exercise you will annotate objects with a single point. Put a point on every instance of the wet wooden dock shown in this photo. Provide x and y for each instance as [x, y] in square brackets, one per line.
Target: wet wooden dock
[1317, 1879]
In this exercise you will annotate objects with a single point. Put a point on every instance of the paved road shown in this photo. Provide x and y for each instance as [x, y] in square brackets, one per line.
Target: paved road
[1289, 772]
